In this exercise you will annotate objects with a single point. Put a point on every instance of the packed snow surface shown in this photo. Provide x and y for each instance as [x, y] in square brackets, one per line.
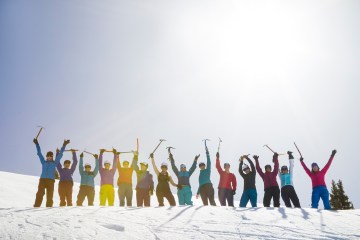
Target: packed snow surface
[19, 220]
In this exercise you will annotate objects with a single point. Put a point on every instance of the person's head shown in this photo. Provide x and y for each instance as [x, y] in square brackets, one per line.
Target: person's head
[126, 164]
[246, 169]
[202, 166]
[227, 166]
[67, 163]
[315, 167]
[183, 168]
[49, 156]
[284, 169]
[87, 167]
[268, 168]
[144, 166]
[107, 165]
[164, 167]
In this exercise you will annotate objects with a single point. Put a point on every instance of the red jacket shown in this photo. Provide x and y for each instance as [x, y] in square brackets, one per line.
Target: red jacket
[227, 180]
[318, 178]
[269, 178]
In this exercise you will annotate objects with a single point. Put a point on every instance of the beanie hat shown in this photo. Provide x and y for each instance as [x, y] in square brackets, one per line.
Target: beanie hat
[284, 168]
[201, 164]
[67, 161]
[164, 164]
[87, 165]
[314, 165]
[182, 166]
[267, 166]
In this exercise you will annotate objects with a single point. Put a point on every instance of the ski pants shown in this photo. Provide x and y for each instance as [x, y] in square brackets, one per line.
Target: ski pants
[65, 192]
[86, 191]
[107, 193]
[125, 191]
[165, 194]
[185, 195]
[272, 193]
[323, 193]
[143, 197]
[45, 184]
[288, 194]
[249, 195]
[226, 195]
[207, 194]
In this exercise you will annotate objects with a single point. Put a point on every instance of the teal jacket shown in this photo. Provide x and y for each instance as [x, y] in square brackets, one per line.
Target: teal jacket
[204, 176]
[287, 179]
[183, 177]
[87, 178]
[48, 167]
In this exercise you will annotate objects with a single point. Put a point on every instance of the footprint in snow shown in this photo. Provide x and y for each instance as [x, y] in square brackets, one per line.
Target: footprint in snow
[118, 228]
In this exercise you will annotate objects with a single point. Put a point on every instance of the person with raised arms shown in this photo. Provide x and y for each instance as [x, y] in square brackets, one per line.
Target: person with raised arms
[107, 173]
[124, 182]
[249, 176]
[145, 182]
[227, 183]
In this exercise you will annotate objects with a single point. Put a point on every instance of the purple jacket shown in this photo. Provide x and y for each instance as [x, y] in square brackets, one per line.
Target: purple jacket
[66, 174]
[107, 176]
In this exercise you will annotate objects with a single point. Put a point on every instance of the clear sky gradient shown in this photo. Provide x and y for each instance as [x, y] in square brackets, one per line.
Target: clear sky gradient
[102, 73]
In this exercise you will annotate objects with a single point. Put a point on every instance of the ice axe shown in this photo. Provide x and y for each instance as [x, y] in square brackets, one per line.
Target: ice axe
[161, 140]
[220, 141]
[71, 150]
[41, 128]
[205, 140]
[169, 149]
[273, 150]
[298, 149]
[89, 152]
[137, 144]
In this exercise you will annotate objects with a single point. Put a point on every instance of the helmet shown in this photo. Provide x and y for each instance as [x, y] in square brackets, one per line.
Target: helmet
[164, 164]
[107, 162]
[67, 162]
[283, 168]
[182, 166]
[245, 167]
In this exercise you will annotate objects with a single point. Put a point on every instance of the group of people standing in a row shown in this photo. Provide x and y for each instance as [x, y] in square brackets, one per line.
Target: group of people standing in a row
[145, 184]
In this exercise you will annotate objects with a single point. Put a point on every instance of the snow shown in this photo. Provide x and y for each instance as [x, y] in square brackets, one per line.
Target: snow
[19, 220]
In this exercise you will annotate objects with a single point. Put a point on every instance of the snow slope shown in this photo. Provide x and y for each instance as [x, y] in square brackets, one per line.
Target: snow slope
[18, 220]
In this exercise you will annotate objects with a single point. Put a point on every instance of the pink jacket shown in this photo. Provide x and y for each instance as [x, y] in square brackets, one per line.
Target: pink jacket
[318, 178]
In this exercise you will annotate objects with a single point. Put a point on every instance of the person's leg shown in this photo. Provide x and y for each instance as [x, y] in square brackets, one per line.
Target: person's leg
[103, 195]
[69, 191]
[62, 194]
[160, 197]
[276, 196]
[244, 199]
[139, 198]
[146, 197]
[229, 198]
[91, 195]
[170, 197]
[203, 195]
[285, 196]
[325, 198]
[111, 195]
[81, 196]
[315, 198]
[222, 196]
[40, 193]
[121, 193]
[267, 198]
[188, 195]
[49, 192]
[129, 195]
[211, 194]
[181, 197]
[294, 198]
[253, 197]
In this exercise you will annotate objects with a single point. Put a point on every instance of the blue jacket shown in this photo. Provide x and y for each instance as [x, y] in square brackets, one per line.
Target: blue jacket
[87, 178]
[183, 177]
[204, 176]
[66, 174]
[287, 179]
[48, 167]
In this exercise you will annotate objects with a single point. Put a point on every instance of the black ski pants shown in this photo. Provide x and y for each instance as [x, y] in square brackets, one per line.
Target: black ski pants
[165, 194]
[288, 194]
[226, 195]
[272, 193]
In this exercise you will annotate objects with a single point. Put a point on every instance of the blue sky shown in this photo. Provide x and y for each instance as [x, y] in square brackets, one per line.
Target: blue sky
[102, 73]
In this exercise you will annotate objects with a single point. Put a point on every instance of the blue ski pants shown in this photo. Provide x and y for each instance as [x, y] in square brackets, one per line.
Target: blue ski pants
[249, 195]
[323, 193]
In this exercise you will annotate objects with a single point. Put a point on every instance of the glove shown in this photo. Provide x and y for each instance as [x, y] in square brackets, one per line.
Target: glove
[102, 151]
[136, 153]
[217, 155]
[256, 157]
[151, 155]
[276, 155]
[301, 159]
[333, 152]
[196, 157]
[179, 186]
[233, 192]
[96, 156]
[114, 151]
[66, 142]
[290, 155]
[82, 155]
[35, 141]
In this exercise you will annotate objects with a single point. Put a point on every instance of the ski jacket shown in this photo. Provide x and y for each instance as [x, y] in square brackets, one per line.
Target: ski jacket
[318, 178]
[249, 179]
[227, 180]
[204, 176]
[65, 173]
[144, 178]
[183, 177]
[107, 176]
[287, 179]
[269, 178]
[125, 174]
[87, 178]
[48, 167]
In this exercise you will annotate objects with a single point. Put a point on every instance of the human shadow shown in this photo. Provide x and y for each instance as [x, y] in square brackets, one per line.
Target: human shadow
[282, 211]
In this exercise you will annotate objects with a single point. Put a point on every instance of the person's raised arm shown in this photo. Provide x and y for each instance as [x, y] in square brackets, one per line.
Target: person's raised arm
[81, 164]
[193, 166]
[136, 154]
[252, 166]
[101, 166]
[258, 169]
[308, 172]
[174, 168]
[38, 150]
[208, 163]
[276, 163]
[75, 161]
[96, 169]
[291, 162]
[59, 168]
[156, 170]
[114, 166]
[241, 166]
[327, 166]
[135, 163]
[217, 164]
[119, 163]
[59, 156]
